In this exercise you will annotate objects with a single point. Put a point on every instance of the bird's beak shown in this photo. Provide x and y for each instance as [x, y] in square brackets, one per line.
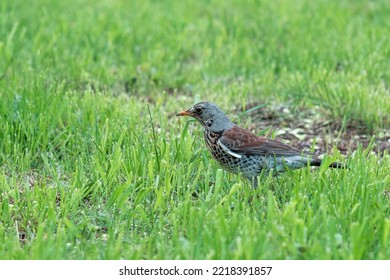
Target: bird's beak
[184, 113]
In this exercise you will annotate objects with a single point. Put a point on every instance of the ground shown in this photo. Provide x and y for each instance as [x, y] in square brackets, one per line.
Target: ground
[301, 127]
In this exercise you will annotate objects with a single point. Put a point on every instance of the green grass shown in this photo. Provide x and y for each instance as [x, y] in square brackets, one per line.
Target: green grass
[94, 165]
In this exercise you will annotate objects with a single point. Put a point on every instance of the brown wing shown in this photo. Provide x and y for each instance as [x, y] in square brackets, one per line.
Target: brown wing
[242, 141]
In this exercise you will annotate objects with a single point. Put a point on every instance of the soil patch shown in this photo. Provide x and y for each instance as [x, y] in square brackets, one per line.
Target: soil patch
[304, 128]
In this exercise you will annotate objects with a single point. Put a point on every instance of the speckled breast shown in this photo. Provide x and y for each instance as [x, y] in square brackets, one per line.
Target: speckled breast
[250, 166]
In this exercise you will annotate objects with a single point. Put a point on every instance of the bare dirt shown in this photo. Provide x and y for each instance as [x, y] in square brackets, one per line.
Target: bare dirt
[306, 128]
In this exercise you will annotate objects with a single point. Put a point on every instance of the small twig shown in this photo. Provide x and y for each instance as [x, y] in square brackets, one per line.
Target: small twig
[253, 109]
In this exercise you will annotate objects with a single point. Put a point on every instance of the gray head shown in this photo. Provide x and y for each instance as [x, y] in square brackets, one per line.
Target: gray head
[209, 115]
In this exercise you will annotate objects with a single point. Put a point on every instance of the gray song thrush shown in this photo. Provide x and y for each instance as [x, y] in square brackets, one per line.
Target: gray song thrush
[240, 151]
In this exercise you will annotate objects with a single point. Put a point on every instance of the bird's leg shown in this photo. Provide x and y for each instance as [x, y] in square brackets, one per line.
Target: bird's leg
[254, 182]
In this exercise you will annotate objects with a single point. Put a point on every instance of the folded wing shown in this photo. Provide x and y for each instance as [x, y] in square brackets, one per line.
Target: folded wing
[242, 142]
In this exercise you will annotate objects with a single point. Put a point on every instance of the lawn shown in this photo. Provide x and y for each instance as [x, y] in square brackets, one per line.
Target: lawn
[95, 165]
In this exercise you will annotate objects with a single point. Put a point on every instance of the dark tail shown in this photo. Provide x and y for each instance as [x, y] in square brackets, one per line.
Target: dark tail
[333, 165]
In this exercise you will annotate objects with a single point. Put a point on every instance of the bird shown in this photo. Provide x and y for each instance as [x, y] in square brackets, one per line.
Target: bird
[240, 151]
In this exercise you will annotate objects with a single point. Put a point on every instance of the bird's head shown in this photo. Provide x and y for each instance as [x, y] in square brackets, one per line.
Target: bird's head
[209, 115]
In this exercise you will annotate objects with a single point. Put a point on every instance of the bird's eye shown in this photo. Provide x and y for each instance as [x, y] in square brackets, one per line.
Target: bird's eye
[198, 110]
